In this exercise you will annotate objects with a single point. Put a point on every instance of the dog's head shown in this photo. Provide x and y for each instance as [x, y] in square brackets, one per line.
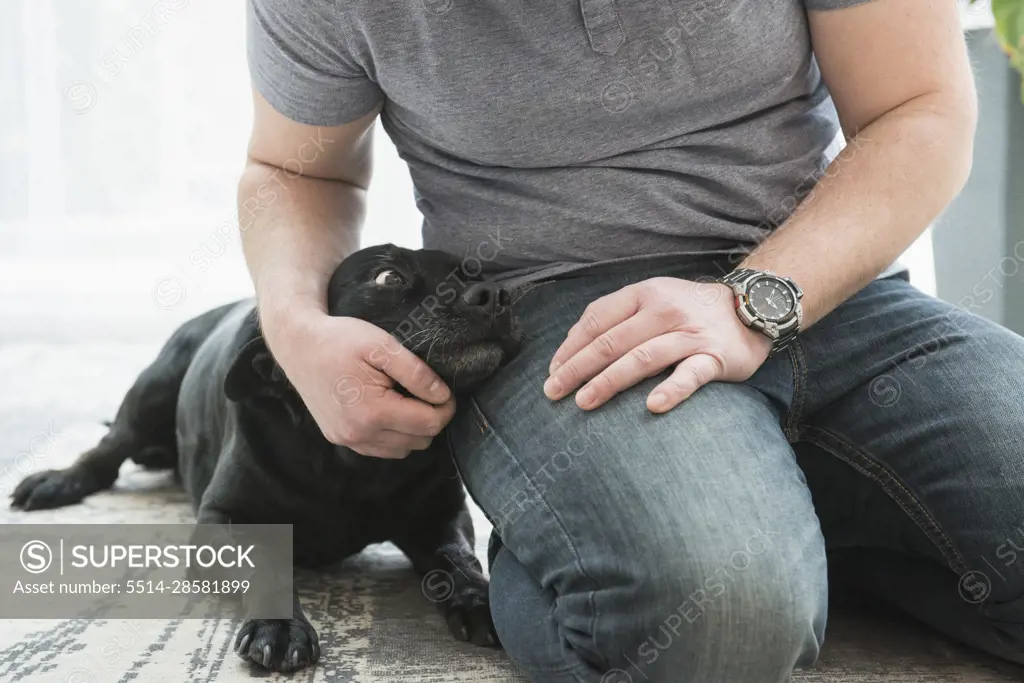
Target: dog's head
[461, 326]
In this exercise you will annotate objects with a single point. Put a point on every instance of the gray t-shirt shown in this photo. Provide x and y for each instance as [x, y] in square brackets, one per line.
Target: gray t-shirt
[545, 136]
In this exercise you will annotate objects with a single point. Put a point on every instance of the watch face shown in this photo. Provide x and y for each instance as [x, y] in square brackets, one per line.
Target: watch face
[771, 299]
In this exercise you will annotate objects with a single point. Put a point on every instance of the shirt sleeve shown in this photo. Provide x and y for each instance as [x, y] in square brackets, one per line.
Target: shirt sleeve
[831, 4]
[299, 61]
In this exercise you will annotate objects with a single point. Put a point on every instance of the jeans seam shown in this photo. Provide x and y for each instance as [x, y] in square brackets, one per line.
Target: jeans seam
[796, 408]
[870, 467]
[567, 539]
[455, 462]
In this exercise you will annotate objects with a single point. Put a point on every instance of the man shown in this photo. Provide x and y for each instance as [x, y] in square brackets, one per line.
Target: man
[665, 470]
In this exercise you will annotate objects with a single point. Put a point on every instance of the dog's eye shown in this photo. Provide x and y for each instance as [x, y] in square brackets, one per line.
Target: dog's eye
[389, 278]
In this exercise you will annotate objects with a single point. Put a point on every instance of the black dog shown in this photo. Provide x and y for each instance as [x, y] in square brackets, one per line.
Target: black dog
[216, 407]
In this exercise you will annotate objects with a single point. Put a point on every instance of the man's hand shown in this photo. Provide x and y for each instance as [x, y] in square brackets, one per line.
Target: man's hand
[346, 370]
[640, 330]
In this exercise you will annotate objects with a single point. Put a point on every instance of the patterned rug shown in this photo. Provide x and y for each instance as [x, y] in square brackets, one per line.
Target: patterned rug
[374, 623]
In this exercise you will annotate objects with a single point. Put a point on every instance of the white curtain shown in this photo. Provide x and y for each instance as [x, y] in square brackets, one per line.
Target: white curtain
[123, 126]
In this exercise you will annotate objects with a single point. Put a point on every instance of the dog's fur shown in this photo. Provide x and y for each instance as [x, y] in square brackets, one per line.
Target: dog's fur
[216, 407]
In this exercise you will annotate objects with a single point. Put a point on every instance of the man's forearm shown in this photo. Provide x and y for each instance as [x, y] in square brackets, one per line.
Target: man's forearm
[295, 231]
[874, 200]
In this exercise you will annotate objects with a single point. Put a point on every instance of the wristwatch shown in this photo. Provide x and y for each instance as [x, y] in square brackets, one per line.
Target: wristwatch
[767, 303]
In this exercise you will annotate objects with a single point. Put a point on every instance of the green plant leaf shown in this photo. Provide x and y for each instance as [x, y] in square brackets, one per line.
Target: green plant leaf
[1009, 16]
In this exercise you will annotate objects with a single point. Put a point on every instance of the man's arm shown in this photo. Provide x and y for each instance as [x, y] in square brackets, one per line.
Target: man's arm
[901, 81]
[301, 203]
[902, 85]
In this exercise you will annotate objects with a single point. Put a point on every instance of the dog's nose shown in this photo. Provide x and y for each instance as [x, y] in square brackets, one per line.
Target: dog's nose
[487, 296]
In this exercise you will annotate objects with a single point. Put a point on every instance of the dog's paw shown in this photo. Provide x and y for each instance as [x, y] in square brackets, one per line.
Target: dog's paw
[50, 489]
[468, 613]
[278, 644]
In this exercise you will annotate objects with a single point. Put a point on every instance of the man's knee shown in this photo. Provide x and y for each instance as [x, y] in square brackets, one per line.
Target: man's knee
[745, 606]
[702, 528]
[752, 607]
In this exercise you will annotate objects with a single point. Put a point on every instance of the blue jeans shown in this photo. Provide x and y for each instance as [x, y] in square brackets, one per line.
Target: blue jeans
[691, 546]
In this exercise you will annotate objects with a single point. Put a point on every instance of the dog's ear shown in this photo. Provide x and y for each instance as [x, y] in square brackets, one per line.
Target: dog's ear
[254, 370]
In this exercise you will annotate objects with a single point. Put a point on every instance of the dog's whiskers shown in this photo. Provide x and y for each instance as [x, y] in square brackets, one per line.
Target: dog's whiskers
[414, 336]
[427, 335]
[433, 341]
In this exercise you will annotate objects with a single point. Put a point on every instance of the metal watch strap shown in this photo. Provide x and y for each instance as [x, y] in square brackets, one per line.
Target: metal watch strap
[737, 276]
[783, 341]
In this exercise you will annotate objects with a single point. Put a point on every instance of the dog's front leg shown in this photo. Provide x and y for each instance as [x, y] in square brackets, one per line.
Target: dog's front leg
[283, 645]
[279, 644]
[453, 578]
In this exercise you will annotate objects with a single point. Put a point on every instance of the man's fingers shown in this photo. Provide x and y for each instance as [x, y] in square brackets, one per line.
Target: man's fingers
[599, 317]
[413, 417]
[390, 445]
[606, 350]
[408, 370]
[689, 376]
[371, 451]
[644, 360]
